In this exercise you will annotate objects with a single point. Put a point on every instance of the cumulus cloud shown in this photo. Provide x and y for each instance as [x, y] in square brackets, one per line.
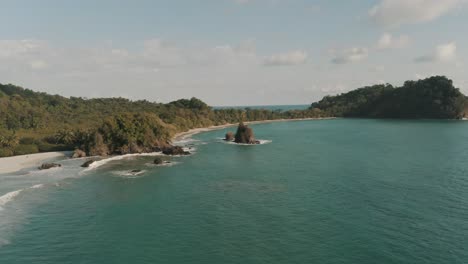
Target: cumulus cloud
[394, 13]
[21, 56]
[350, 55]
[387, 41]
[443, 53]
[288, 58]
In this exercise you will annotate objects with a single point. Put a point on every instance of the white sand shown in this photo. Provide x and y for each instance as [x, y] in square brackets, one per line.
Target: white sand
[16, 163]
[191, 132]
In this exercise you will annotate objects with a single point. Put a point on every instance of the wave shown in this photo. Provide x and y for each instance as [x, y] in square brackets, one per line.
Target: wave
[102, 162]
[38, 186]
[129, 174]
[8, 197]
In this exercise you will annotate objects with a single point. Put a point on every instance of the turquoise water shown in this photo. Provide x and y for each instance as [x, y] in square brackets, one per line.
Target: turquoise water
[328, 191]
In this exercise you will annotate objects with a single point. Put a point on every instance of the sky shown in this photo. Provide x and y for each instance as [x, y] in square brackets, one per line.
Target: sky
[229, 52]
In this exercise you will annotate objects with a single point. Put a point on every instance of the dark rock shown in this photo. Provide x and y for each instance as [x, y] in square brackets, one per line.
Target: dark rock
[245, 135]
[47, 166]
[229, 136]
[158, 161]
[87, 163]
[175, 150]
[135, 171]
[78, 154]
[156, 149]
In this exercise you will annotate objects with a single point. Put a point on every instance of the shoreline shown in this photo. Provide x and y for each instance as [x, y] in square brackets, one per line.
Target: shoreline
[17, 163]
[187, 134]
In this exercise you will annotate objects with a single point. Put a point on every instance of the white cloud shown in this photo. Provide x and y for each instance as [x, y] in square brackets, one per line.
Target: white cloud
[387, 41]
[443, 53]
[394, 13]
[288, 58]
[350, 55]
[15, 48]
[38, 64]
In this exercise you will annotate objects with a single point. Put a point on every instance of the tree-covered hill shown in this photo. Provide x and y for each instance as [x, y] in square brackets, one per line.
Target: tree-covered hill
[36, 122]
[434, 97]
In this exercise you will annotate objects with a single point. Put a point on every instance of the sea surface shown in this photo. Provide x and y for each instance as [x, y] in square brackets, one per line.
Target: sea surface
[325, 191]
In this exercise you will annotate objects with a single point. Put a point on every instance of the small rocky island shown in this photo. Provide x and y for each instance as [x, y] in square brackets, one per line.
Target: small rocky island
[244, 135]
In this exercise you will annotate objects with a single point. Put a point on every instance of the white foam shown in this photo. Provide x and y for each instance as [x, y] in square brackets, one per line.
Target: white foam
[102, 162]
[6, 198]
[262, 142]
[186, 141]
[129, 174]
[37, 186]
[165, 164]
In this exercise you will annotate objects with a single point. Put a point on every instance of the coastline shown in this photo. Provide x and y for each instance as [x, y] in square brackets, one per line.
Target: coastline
[187, 134]
[17, 163]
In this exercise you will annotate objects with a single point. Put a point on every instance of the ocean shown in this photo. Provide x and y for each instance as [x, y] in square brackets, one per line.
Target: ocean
[323, 191]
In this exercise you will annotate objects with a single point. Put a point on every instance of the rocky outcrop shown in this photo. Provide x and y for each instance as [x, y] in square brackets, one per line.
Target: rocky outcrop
[98, 147]
[87, 163]
[229, 136]
[245, 135]
[175, 150]
[78, 154]
[158, 161]
[47, 166]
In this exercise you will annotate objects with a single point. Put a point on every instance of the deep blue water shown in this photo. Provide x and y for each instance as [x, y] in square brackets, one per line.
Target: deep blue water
[325, 191]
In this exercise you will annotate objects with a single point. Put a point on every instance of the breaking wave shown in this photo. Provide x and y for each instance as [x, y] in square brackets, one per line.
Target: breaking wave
[102, 162]
[129, 174]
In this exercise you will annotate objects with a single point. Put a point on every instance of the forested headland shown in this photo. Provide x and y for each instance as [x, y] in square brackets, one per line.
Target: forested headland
[434, 98]
[32, 122]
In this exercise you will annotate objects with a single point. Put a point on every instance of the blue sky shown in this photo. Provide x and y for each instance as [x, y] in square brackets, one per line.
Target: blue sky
[229, 52]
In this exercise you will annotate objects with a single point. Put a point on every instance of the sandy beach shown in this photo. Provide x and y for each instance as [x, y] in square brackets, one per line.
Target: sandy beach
[16, 163]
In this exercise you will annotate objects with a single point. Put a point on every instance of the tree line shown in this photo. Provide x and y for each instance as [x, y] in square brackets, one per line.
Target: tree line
[32, 122]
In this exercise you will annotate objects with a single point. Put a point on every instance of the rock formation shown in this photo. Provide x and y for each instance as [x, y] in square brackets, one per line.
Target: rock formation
[245, 135]
[158, 161]
[229, 136]
[175, 150]
[87, 163]
[78, 154]
[47, 166]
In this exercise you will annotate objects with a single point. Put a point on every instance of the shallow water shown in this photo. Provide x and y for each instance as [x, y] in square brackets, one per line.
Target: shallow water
[325, 191]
